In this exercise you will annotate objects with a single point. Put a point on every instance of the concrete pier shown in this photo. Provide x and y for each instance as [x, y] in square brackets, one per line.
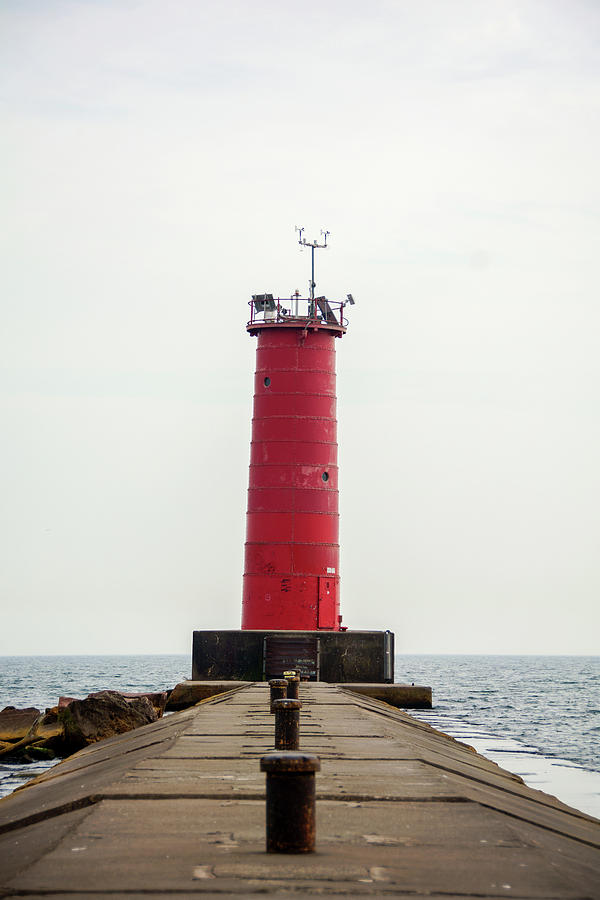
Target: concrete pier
[178, 807]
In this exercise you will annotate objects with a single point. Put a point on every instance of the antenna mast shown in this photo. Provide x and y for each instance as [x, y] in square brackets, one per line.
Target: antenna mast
[314, 245]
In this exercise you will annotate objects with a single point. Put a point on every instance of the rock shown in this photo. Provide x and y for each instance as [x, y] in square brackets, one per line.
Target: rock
[27, 735]
[102, 715]
[35, 752]
[10, 749]
[50, 727]
[15, 724]
[64, 701]
[158, 699]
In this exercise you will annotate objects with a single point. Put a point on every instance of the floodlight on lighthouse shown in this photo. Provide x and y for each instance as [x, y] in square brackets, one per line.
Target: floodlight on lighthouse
[263, 302]
[350, 299]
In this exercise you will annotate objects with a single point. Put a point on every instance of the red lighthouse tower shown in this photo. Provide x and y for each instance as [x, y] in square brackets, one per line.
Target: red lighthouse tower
[291, 571]
[291, 598]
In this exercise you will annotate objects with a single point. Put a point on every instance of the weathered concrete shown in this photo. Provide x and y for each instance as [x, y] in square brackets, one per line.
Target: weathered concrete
[177, 807]
[342, 656]
[406, 696]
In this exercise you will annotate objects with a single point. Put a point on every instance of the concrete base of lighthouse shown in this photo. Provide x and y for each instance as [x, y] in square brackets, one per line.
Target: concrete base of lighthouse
[336, 657]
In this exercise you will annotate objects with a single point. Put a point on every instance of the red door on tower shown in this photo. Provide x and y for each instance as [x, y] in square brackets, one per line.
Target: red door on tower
[327, 592]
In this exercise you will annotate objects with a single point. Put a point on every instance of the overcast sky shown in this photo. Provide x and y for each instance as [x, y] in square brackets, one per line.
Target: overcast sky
[155, 158]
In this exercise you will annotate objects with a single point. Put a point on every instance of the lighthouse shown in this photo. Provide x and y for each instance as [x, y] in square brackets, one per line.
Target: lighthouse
[291, 560]
[291, 580]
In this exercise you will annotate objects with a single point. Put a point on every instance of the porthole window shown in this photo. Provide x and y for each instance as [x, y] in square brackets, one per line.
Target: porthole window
[267, 381]
[325, 476]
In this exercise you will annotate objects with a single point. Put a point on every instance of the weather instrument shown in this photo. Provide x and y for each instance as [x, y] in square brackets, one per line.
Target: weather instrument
[314, 245]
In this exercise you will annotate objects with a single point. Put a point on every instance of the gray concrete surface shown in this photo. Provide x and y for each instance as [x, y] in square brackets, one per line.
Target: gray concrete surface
[406, 696]
[178, 808]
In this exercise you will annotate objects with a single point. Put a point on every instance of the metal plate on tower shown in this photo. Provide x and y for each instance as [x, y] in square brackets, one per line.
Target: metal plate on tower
[284, 653]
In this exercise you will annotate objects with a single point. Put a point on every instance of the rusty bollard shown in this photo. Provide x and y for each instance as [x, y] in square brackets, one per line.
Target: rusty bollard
[278, 690]
[287, 724]
[293, 686]
[291, 826]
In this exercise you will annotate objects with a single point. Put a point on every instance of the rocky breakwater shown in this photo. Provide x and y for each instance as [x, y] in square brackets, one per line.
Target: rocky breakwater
[30, 734]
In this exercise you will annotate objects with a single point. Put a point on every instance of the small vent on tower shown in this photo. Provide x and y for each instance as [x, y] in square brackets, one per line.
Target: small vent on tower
[325, 476]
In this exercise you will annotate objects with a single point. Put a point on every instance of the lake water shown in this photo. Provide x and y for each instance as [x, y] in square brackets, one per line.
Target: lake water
[538, 716]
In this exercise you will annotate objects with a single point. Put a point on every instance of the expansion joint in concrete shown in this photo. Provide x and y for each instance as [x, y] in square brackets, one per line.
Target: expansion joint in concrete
[50, 813]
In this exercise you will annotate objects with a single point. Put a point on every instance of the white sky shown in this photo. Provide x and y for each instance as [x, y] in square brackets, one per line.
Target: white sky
[154, 160]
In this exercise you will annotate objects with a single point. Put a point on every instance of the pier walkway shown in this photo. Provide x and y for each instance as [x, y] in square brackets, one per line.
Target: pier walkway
[177, 808]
